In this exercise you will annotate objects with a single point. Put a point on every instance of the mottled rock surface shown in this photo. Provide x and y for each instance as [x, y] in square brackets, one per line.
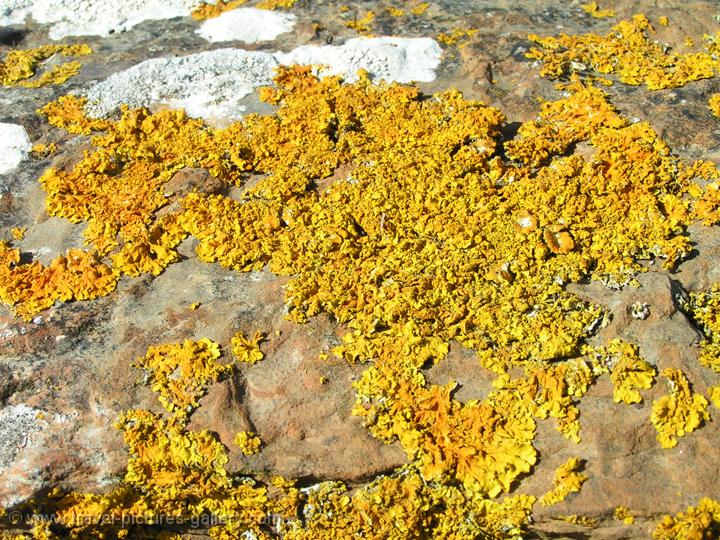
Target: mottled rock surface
[67, 375]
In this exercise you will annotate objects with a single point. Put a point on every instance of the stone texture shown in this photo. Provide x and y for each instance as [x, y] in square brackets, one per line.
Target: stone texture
[66, 376]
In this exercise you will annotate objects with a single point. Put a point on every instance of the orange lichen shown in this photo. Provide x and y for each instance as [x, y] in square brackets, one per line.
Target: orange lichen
[68, 113]
[180, 474]
[247, 350]
[32, 287]
[680, 412]
[21, 65]
[626, 51]
[567, 480]
[628, 371]
[180, 373]
[418, 244]
[247, 442]
[701, 522]
[43, 150]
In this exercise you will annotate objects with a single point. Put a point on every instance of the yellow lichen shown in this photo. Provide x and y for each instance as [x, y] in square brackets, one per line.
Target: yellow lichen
[578, 519]
[714, 104]
[32, 287]
[567, 480]
[18, 233]
[626, 51]
[593, 9]
[208, 11]
[180, 373]
[624, 515]
[714, 395]
[420, 8]
[180, 474]
[43, 150]
[20, 66]
[680, 412]
[362, 25]
[701, 522]
[705, 309]
[628, 371]
[436, 230]
[247, 442]
[247, 350]
[663, 20]
[458, 37]
[276, 4]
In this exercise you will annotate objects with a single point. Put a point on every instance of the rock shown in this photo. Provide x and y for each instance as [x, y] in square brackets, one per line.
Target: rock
[67, 375]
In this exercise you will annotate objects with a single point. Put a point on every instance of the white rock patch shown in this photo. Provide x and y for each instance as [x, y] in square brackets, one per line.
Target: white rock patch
[17, 423]
[249, 25]
[390, 58]
[208, 84]
[14, 146]
[92, 17]
[211, 84]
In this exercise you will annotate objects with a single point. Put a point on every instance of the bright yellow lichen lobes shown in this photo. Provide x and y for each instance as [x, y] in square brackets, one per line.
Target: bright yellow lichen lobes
[362, 25]
[705, 309]
[179, 373]
[402, 218]
[247, 442]
[628, 371]
[567, 480]
[623, 514]
[21, 65]
[175, 472]
[208, 11]
[459, 37]
[626, 51]
[680, 412]
[247, 350]
[32, 287]
[701, 522]
[714, 104]
[593, 9]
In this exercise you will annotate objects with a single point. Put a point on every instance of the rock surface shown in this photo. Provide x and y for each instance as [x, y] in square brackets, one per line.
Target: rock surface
[67, 375]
